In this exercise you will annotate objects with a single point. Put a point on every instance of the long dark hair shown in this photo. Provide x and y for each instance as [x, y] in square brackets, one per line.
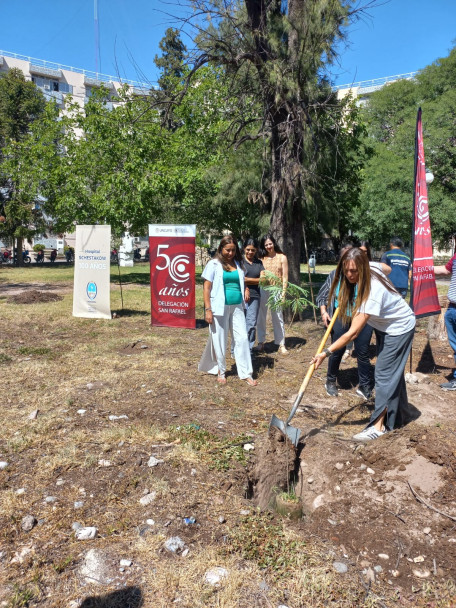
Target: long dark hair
[268, 237]
[347, 289]
[250, 242]
[227, 240]
[366, 244]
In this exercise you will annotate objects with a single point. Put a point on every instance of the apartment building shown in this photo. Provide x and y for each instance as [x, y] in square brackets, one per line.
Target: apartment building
[56, 80]
[362, 89]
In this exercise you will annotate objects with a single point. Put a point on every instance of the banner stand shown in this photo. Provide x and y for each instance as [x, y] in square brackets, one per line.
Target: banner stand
[424, 300]
[92, 272]
[172, 275]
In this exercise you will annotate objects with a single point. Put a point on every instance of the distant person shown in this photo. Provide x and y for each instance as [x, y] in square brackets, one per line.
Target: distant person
[400, 264]
[450, 315]
[275, 261]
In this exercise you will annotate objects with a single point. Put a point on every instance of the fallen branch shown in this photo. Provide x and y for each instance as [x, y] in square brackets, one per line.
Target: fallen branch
[419, 499]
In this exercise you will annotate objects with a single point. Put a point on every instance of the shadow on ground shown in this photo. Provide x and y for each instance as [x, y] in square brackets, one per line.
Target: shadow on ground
[131, 597]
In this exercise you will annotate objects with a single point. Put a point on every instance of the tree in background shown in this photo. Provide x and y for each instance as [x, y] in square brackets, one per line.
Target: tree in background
[335, 195]
[386, 201]
[274, 56]
[171, 62]
[29, 133]
[228, 200]
[121, 167]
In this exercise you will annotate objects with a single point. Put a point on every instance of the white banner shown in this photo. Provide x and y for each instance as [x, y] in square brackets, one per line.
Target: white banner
[91, 294]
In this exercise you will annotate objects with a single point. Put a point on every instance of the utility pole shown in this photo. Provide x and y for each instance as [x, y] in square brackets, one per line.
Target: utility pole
[97, 36]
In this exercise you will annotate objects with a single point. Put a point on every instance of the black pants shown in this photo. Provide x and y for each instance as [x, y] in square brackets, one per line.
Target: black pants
[365, 370]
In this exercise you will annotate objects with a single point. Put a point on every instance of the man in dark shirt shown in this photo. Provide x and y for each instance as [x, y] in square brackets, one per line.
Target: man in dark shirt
[400, 265]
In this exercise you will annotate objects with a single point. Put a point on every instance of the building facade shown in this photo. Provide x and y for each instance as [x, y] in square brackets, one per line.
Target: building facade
[56, 81]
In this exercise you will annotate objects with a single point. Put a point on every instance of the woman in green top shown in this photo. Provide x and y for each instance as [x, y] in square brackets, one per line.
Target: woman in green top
[224, 293]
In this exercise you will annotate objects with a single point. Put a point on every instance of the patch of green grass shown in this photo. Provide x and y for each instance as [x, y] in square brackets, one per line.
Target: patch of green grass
[220, 453]
[34, 350]
[4, 358]
[62, 564]
[228, 451]
[289, 496]
[259, 538]
[194, 435]
[21, 597]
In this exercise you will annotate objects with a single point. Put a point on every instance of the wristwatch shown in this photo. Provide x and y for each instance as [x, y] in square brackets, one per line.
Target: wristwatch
[327, 352]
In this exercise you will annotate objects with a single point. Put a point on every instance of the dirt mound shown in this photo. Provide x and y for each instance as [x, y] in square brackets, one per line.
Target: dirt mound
[275, 466]
[34, 297]
[134, 347]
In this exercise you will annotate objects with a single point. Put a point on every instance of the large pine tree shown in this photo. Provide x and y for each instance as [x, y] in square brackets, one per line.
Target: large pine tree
[275, 53]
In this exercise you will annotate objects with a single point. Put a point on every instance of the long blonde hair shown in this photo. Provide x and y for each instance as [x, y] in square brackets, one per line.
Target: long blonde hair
[348, 305]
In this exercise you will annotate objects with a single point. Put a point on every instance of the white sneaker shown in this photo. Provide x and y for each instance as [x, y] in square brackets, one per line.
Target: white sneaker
[370, 433]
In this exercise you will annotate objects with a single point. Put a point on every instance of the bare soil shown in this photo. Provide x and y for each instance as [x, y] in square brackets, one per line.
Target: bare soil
[34, 296]
[385, 509]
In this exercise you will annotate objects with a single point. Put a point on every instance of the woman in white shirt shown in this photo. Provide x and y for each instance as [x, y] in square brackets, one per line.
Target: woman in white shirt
[378, 303]
[224, 303]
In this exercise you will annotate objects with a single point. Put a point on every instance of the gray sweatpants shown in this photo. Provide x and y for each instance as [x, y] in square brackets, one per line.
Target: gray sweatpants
[390, 390]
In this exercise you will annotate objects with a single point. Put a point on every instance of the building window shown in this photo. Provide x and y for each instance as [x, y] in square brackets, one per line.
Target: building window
[47, 84]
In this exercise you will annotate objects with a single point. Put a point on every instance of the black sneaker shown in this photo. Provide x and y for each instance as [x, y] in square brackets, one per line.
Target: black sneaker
[331, 389]
[364, 392]
[449, 386]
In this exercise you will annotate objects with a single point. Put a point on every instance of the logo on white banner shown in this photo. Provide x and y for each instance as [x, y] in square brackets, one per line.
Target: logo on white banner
[91, 290]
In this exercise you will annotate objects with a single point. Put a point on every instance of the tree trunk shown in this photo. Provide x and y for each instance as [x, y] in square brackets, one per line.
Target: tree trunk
[286, 214]
[436, 329]
[19, 260]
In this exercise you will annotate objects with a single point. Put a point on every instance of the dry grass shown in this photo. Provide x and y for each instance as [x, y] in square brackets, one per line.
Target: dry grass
[47, 360]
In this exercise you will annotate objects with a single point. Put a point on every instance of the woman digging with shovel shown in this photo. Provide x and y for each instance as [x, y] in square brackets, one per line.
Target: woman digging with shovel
[372, 299]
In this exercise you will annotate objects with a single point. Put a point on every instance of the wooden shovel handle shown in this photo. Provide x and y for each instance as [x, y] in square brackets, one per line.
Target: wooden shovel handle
[311, 370]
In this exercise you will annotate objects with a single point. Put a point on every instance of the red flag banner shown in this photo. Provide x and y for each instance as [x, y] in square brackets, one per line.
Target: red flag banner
[172, 275]
[424, 300]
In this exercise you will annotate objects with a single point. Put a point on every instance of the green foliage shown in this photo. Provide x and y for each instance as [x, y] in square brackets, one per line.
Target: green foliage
[275, 56]
[295, 298]
[259, 538]
[171, 63]
[386, 201]
[39, 247]
[29, 136]
[21, 103]
[128, 169]
[333, 198]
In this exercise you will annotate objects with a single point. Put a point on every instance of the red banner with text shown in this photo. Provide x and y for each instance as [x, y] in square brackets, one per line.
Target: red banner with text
[172, 275]
[424, 300]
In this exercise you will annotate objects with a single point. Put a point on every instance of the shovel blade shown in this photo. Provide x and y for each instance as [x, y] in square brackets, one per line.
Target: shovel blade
[289, 431]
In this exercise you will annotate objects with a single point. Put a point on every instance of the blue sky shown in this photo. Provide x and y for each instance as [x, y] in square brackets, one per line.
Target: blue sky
[397, 37]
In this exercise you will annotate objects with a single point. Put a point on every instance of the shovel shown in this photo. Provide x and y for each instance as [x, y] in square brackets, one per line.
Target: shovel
[291, 432]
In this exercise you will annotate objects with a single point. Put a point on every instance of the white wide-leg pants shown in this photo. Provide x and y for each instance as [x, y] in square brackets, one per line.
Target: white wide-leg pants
[277, 321]
[213, 360]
